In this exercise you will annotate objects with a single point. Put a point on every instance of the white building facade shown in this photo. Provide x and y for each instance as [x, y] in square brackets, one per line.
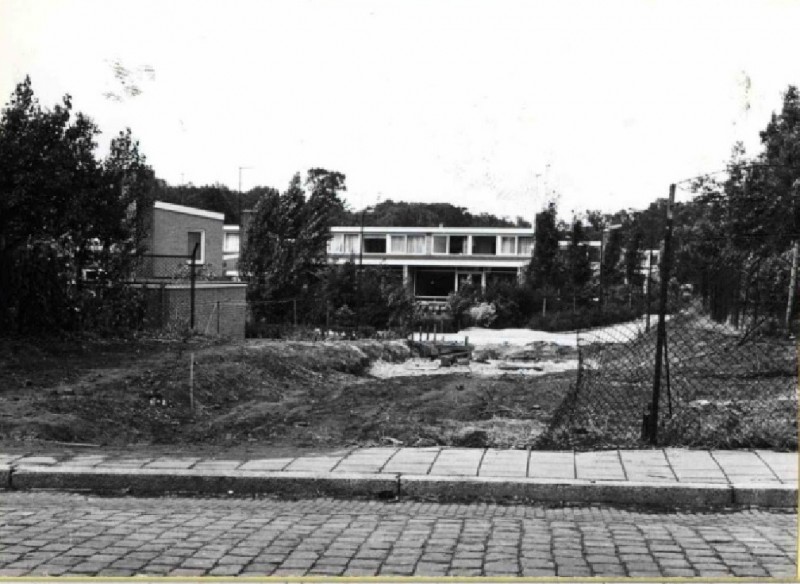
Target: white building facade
[436, 261]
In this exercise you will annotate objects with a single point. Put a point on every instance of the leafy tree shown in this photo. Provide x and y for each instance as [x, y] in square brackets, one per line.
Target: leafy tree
[62, 210]
[373, 296]
[544, 270]
[633, 258]
[612, 253]
[285, 249]
[579, 268]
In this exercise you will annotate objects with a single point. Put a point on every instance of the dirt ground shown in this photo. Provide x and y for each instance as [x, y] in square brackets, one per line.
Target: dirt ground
[257, 394]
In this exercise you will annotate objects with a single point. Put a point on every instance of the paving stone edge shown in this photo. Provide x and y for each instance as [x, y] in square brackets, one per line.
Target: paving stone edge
[386, 486]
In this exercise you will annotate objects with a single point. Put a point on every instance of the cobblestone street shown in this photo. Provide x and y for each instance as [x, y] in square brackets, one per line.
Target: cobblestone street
[63, 534]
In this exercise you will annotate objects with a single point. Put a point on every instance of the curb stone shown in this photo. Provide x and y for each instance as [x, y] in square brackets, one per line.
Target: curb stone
[209, 482]
[388, 486]
[571, 491]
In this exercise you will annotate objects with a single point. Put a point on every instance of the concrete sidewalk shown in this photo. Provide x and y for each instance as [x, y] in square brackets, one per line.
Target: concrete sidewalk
[664, 477]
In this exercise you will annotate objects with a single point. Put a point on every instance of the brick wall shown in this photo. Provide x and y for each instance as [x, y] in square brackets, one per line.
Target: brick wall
[220, 308]
[169, 236]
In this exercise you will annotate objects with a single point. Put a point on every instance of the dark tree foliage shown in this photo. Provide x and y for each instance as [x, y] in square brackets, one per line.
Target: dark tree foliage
[633, 257]
[218, 198]
[544, 270]
[400, 214]
[285, 250]
[63, 211]
[578, 266]
[612, 253]
[372, 296]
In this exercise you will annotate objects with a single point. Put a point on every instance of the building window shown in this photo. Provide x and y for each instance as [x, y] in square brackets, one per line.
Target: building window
[231, 243]
[375, 244]
[350, 243]
[525, 246]
[484, 245]
[416, 244]
[197, 238]
[508, 245]
[439, 244]
[398, 243]
[343, 243]
[458, 244]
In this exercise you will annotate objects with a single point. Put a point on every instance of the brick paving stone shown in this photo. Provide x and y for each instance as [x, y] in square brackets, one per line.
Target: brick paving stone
[328, 537]
[187, 572]
[227, 570]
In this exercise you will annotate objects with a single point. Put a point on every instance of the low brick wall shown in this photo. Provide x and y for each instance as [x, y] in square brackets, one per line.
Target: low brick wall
[220, 308]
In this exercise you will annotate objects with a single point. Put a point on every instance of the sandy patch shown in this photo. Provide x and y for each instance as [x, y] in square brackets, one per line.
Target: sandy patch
[492, 368]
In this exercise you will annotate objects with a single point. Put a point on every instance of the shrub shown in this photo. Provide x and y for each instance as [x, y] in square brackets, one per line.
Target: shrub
[483, 314]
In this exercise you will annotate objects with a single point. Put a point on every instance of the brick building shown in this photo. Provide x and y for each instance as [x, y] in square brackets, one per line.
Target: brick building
[214, 304]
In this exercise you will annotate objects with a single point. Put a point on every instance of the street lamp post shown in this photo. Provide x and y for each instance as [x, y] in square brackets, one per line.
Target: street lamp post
[241, 168]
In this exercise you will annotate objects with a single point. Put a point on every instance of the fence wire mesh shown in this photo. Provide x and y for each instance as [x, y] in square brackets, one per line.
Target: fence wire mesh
[721, 386]
[728, 366]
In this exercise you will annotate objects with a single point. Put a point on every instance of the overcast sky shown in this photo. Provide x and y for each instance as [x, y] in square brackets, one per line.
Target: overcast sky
[489, 105]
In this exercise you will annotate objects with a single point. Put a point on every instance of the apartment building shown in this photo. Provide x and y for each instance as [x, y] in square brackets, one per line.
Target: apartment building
[436, 261]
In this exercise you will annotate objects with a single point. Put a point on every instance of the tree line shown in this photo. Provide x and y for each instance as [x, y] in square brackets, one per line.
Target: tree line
[64, 210]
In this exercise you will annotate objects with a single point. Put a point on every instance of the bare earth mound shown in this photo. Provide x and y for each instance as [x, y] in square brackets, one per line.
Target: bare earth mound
[266, 393]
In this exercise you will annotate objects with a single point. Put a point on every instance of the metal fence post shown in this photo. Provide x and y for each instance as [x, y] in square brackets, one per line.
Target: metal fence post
[218, 308]
[652, 419]
[649, 283]
[192, 278]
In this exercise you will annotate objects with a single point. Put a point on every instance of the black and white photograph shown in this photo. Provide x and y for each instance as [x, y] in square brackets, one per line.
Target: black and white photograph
[399, 290]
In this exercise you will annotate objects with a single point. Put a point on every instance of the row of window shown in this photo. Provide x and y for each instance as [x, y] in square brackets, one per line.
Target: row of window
[348, 243]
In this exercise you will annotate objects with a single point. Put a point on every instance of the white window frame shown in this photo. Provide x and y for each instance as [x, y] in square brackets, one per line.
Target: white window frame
[519, 245]
[466, 248]
[202, 259]
[391, 244]
[471, 242]
[227, 248]
[446, 245]
[355, 238]
[500, 239]
[366, 237]
[424, 244]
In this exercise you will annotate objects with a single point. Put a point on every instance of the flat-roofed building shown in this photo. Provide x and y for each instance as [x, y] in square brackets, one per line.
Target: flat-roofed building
[436, 261]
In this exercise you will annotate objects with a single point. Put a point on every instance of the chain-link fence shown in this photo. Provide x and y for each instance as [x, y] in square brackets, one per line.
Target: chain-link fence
[182, 295]
[714, 366]
[307, 317]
